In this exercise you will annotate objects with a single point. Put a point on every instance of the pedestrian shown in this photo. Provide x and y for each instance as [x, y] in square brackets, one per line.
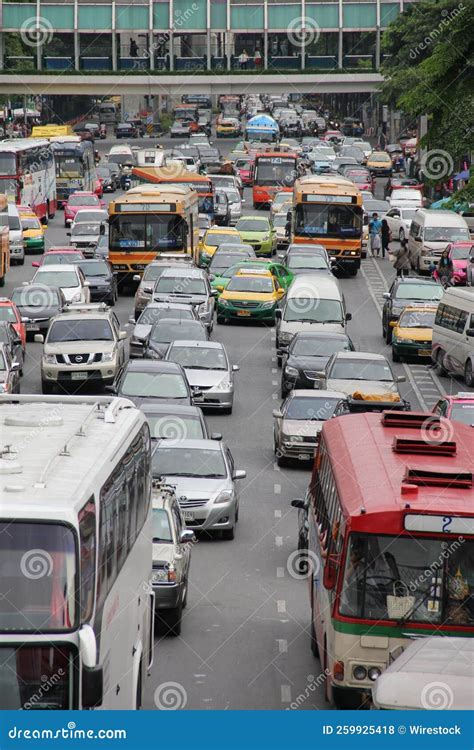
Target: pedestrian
[402, 259]
[375, 227]
[243, 60]
[386, 237]
[257, 58]
[133, 48]
[444, 270]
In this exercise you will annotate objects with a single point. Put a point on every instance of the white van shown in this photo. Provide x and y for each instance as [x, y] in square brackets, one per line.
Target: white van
[453, 334]
[122, 154]
[314, 302]
[430, 233]
[16, 238]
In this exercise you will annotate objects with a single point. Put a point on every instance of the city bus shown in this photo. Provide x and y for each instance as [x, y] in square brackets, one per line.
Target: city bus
[327, 210]
[391, 542]
[75, 166]
[27, 175]
[177, 174]
[76, 617]
[4, 239]
[274, 172]
[152, 220]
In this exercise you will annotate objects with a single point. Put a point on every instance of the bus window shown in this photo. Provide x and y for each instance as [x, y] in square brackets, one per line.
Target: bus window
[88, 546]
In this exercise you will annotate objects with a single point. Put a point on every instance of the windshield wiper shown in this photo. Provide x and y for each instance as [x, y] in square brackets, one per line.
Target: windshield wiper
[211, 476]
[158, 539]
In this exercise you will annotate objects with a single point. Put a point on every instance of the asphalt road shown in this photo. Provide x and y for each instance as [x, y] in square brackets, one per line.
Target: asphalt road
[245, 635]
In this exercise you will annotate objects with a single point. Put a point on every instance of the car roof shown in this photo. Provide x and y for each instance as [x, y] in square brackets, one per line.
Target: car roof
[463, 396]
[152, 365]
[192, 344]
[361, 355]
[417, 279]
[186, 272]
[212, 445]
[319, 394]
[57, 267]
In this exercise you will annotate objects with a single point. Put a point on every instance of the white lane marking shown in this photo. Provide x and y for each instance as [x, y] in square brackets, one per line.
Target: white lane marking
[277, 489]
[285, 694]
[281, 606]
[282, 645]
[276, 467]
[280, 572]
[278, 514]
[279, 541]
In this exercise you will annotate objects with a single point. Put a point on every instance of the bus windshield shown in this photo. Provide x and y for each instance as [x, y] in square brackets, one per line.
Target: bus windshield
[38, 564]
[7, 163]
[313, 220]
[37, 677]
[68, 166]
[275, 170]
[147, 232]
[432, 579]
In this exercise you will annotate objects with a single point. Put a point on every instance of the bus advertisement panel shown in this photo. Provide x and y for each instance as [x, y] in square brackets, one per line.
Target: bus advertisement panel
[274, 172]
[328, 211]
[179, 175]
[27, 175]
[75, 166]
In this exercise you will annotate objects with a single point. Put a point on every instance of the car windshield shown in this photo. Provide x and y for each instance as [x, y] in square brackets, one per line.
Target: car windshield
[416, 291]
[199, 357]
[154, 385]
[51, 259]
[221, 261]
[85, 228]
[316, 262]
[35, 297]
[361, 369]
[28, 222]
[186, 462]
[255, 284]
[215, 239]
[166, 331]
[7, 313]
[313, 310]
[306, 346]
[385, 575]
[180, 285]
[318, 409]
[83, 200]
[103, 172]
[95, 216]
[447, 234]
[168, 426]
[252, 225]
[161, 532]
[63, 279]
[80, 330]
[151, 315]
[415, 319]
[462, 253]
[379, 156]
[463, 413]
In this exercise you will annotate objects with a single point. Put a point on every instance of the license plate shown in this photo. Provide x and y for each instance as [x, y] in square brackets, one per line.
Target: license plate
[424, 352]
[32, 327]
[188, 516]
[78, 375]
[244, 313]
[304, 457]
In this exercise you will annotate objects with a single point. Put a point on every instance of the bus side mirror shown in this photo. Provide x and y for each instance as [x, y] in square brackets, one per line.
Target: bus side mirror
[330, 572]
[92, 686]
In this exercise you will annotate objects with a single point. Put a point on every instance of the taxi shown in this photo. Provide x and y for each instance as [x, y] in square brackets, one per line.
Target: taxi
[412, 333]
[258, 232]
[459, 407]
[211, 240]
[250, 294]
[256, 265]
[379, 164]
[227, 127]
[33, 230]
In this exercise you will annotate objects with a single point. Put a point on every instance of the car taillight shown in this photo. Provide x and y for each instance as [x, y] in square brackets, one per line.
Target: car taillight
[171, 576]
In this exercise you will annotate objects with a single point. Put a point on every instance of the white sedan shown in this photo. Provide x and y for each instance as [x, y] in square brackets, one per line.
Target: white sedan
[69, 278]
[399, 221]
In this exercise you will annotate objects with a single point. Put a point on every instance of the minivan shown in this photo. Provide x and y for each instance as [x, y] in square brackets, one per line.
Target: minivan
[453, 335]
[430, 232]
[312, 303]
[16, 238]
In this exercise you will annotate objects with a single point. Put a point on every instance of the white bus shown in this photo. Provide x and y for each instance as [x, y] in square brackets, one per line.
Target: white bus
[28, 175]
[76, 615]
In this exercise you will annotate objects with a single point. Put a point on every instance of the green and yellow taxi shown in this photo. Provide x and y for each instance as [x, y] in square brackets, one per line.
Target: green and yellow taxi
[258, 232]
[33, 230]
[212, 239]
[252, 295]
[282, 274]
[412, 333]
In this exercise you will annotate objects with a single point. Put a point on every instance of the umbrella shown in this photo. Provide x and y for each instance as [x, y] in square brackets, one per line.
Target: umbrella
[464, 175]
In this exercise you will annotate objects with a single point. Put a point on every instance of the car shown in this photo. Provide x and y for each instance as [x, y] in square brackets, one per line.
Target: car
[10, 313]
[307, 354]
[245, 167]
[360, 177]
[361, 375]
[460, 254]
[205, 223]
[354, 152]
[412, 333]
[177, 422]
[309, 250]
[93, 215]
[379, 164]
[167, 330]
[221, 208]
[407, 290]
[126, 130]
[406, 197]
[206, 482]
[235, 203]
[146, 282]
[37, 305]
[298, 423]
[224, 259]
[281, 273]
[459, 407]
[149, 381]
[108, 178]
[33, 230]
[281, 203]
[59, 255]
[152, 313]
[76, 201]
[227, 182]
[102, 280]
[304, 262]
[12, 340]
[9, 372]
[252, 295]
[399, 221]
[258, 232]
[207, 368]
[214, 237]
[188, 285]
[85, 236]
[228, 127]
[171, 557]
[84, 345]
[11, 219]
[279, 224]
[180, 129]
[67, 277]
[396, 183]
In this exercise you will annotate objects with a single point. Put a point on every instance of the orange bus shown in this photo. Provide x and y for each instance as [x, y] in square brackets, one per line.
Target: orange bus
[177, 174]
[391, 542]
[274, 172]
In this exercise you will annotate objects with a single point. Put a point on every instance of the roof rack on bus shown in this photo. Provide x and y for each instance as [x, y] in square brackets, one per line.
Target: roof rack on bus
[107, 406]
[410, 419]
[424, 446]
[462, 478]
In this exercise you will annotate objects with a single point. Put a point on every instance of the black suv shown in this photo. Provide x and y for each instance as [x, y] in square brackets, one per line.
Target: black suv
[407, 290]
[307, 354]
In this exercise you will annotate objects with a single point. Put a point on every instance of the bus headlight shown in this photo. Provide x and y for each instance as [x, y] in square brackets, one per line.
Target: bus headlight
[359, 673]
[374, 673]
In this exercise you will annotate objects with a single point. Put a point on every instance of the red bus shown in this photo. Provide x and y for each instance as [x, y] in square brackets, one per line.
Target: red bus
[391, 542]
[274, 171]
[28, 176]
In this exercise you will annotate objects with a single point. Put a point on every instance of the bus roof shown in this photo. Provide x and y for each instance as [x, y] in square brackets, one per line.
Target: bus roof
[329, 184]
[377, 459]
[175, 174]
[22, 144]
[50, 447]
[157, 194]
[286, 154]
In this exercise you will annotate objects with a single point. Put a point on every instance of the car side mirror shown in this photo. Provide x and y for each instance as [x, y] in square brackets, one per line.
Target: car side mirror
[25, 320]
[386, 295]
[235, 368]
[348, 316]
[400, 378]
[298, 503]
[136, 277]
[39, 338]
[122, 335]
[278, 314]
[470, 332]
[216, 435]
[132, 320]
[239, 474]
[35, 264]
[214, 292]
[111, 389]
[87, 283]
[15, 367]
[277, 413]
[187, 536]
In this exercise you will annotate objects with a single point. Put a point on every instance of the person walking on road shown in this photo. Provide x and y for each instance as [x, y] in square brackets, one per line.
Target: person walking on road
[444, 271]
[386, 237]
[402, 259]
[375, 227]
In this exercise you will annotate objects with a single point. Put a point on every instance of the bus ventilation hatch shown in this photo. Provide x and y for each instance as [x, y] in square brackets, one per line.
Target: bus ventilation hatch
[435, 478]
[415, 419]
[426, 447]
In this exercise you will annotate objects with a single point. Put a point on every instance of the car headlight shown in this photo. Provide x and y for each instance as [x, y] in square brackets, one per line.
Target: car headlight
[224, 385]
[49, 359]
[205, 254]
[224, 497]
[285, 338]
[268, 305]
[223, 302]
[108, 356]
[293, 438]
[146, 290]
[292, 372]
[265, 238]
